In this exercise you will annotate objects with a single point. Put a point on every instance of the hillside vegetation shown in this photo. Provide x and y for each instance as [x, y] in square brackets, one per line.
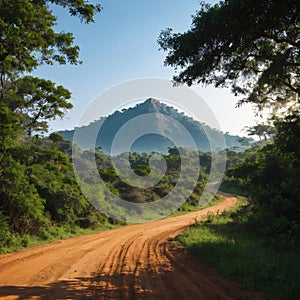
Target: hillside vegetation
[166, 120]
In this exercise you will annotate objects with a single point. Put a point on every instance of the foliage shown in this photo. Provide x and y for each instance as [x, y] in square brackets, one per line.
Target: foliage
[28, 39]
[252, 46]
[9, 129]
[262, 130]
[271, 178]
[140, 166]
[20, 202]
[36, 101]
[38, 190]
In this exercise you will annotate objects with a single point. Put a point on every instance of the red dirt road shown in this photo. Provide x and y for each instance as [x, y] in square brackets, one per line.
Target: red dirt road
[133, 262]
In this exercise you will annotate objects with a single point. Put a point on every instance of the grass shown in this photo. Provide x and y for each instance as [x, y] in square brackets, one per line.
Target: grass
[184, 209]
[245, 256]
[214, 201]
[187, 208]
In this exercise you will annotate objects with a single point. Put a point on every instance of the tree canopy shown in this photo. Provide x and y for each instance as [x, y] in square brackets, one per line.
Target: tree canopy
[270, 177]
[249, 45]
[29, 39]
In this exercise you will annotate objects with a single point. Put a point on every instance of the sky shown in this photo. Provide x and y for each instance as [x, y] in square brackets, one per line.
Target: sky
[122, 45]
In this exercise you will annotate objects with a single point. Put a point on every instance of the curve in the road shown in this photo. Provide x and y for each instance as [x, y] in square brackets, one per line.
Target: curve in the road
[132, 262]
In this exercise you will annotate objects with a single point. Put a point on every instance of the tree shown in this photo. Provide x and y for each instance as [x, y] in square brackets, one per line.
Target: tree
[262, 130]
[28, 39]
[271, 176]
[36, 101]
[251, 46]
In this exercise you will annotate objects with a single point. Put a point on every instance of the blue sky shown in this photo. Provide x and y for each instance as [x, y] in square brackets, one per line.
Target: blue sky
[122, 45]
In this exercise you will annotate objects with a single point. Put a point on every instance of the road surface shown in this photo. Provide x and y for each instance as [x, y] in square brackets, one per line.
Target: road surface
[132, 262]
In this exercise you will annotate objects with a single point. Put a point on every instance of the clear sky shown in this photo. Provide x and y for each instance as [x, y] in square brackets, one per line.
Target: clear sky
[122, 45]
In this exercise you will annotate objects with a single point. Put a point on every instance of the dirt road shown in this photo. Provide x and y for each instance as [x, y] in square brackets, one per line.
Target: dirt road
[133, 262]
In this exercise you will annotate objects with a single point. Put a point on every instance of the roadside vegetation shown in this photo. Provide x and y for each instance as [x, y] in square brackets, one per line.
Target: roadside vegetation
[236, 250]
[251, 47]
[261, 67]
[11, 242]
[258, 243]
[41, 200]
[39, 196]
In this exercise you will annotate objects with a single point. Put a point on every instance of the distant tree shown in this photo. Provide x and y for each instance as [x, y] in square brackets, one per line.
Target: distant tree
[56, 137]
[251, 46]
[262, 131]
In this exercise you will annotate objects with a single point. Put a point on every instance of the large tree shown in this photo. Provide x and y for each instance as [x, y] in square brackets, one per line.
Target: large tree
[253, 46]
[29, 39]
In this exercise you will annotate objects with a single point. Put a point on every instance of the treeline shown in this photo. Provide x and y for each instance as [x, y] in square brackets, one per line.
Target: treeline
[147, 169]
[178, 178]
[39, 194]
[270, 177]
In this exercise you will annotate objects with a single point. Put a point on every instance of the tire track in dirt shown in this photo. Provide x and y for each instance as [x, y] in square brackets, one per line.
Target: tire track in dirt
[132, 262]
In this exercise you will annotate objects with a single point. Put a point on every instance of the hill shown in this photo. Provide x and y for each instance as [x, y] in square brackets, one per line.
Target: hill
[160, 121]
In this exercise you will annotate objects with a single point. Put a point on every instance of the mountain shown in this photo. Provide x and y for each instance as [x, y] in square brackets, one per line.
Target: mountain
[160, 125]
